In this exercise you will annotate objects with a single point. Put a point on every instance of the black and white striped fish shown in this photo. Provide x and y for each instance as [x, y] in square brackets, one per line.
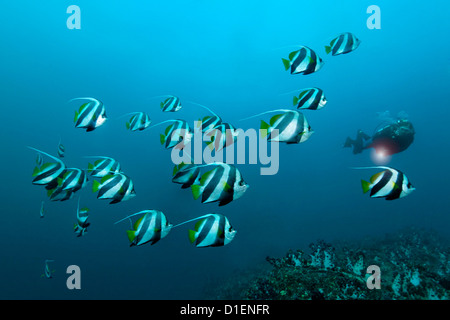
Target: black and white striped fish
[73, 179]
[61, 150]
[224, 184]
[117, 187]
[103, 166]
[303, 61]
[47, 272]
[290, 126]
[90, 115]
[177, 135]
[151, 227]
[310, 98]
[58, 194]
[209, 123]
[390, 184]
[49, 171]
[41, 212]
[185, 174]
[213, 230]
[221, 136]
[344, 43]
[138, 122]
[39, 159]
[171, 104]
[82, 215]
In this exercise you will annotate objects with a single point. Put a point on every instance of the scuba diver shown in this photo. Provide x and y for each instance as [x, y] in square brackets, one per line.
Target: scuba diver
[394, 137]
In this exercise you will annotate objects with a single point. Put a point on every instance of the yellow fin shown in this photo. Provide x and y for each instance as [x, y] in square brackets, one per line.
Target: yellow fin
[376, 176]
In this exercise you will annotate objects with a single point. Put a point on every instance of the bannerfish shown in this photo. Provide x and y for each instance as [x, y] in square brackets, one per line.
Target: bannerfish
[39, 160]
[41, 212]
[138, 122]
[221, 136]
[303, 61]
[61, 149]
[177, 135]
[209, 123]
[224, 184]
[342, 44]
[49, 171]
[90, 115]
[310, 98]
[290, 126]
[73, 179]
[171, 104]
[47, 272]
[390, 184]
[58, 194]
[151, 227]
[103, 166]
[82, 215]
[185, 174]
[212, 230]
[117, 187]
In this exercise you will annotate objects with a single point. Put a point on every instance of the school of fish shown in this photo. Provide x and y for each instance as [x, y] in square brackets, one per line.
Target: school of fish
[211, 182]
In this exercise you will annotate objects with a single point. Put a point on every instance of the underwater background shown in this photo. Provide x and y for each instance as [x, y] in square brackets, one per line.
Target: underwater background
[225, 55]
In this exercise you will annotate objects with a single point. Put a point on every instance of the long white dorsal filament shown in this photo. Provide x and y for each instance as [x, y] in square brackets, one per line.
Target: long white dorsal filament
[201, 217]
[263, 113]
[132, 215]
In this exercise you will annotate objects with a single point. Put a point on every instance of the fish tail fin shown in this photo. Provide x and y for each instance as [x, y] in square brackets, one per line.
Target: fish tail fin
[365, 186]
[327, 49]
[286, 63]
[127, 125]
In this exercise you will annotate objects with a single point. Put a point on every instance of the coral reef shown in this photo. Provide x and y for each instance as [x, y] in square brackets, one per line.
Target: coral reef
[413, 263]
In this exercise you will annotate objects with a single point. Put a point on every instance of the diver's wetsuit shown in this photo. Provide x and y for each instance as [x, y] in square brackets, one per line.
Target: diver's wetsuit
[392, 138]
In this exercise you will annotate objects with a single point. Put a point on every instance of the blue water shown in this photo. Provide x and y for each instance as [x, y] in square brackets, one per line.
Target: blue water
[225, 55]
